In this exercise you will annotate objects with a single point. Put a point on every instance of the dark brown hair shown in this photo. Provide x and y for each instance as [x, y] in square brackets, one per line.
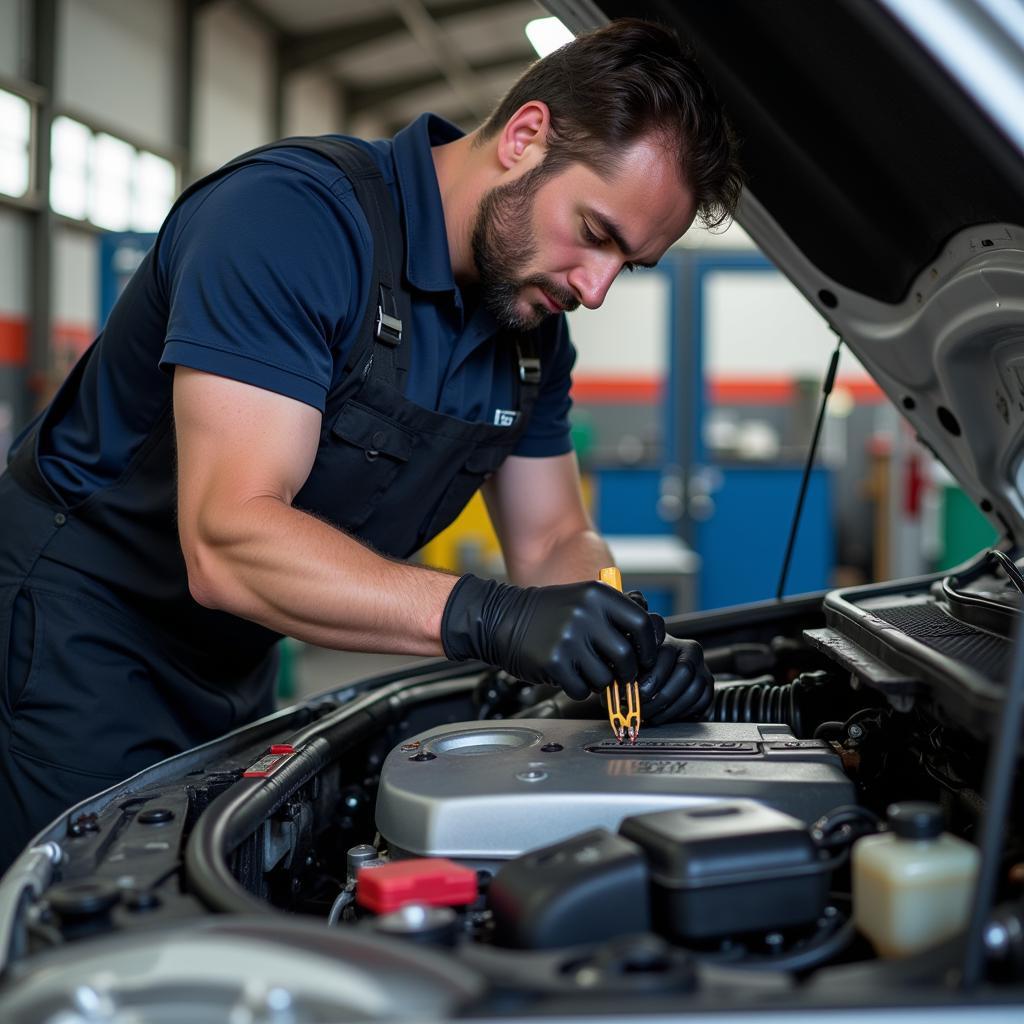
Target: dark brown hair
[609, 88]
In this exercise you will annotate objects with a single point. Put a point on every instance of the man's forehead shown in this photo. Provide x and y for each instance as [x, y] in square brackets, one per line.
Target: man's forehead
[644, 205]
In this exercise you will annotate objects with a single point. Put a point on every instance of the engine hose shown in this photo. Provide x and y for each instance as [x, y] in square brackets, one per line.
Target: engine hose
[758, 700]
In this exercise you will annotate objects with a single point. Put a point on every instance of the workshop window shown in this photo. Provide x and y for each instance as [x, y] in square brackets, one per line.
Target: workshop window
[15, 139]
[71, 152]
[110, 191]
[103, 179]
[156, 185]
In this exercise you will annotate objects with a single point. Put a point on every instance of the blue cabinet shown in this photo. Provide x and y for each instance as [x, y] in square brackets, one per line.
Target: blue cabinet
[743, 541]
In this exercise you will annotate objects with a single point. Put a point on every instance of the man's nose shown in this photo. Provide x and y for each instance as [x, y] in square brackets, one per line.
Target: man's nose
[591, 280]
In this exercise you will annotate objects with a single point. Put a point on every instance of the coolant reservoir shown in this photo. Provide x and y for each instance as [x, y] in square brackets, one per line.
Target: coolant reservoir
[912, 886]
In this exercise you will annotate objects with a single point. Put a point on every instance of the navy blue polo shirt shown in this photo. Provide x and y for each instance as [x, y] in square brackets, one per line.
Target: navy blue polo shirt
[262, 276]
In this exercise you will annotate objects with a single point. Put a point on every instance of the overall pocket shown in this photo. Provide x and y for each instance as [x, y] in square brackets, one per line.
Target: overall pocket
[20, 630]
[356, 464]
[468, 478]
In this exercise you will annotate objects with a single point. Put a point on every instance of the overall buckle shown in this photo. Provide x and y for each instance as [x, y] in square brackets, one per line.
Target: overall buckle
[389, 328]
[529, 369]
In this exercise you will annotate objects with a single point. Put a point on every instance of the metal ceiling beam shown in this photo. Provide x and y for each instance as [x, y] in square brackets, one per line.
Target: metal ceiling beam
[363, 99]
[184, 88]
[299, 51]
[450, 62]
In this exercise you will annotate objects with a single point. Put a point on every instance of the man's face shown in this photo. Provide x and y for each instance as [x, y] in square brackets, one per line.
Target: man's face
[543, 244]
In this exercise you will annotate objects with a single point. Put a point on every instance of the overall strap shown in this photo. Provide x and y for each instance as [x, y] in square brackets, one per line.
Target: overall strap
[528, 371]
[389, 312]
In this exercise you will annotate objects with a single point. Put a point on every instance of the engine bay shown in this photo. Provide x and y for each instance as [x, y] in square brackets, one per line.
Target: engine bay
[457, 811]
[490, 793]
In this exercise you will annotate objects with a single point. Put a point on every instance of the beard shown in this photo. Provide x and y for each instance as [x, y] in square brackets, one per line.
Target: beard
[503, 246]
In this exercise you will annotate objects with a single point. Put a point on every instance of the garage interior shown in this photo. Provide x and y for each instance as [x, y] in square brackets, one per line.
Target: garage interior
[111, 107]
[750, 858]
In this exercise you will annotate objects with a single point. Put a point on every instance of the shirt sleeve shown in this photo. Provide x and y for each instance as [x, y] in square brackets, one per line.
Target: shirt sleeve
[263, 270]
[548, 431]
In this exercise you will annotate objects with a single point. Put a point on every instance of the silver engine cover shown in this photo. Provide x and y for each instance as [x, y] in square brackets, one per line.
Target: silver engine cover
[486, 792]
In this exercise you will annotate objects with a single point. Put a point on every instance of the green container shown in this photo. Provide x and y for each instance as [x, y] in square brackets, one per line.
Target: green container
[965, 531]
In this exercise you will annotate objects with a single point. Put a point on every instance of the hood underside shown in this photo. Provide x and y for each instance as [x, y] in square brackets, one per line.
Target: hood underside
[892, 198]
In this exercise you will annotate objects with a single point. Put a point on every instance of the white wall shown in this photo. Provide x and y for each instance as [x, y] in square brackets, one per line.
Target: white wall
[116, 64]
[312, 105]
[234, 89]
[759, 325]
[628, 337]
[15, 38]
[76, 283]
[731, 237]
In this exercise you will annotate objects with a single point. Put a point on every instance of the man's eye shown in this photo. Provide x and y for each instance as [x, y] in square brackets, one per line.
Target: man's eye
[589, 236]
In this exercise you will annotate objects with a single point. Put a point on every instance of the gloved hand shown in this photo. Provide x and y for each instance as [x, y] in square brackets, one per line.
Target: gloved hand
[637, 597]
[680, 686]
[577, 636]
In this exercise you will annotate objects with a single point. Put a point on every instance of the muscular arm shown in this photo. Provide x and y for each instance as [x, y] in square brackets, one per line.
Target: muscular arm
[545, 532]
[243, 454]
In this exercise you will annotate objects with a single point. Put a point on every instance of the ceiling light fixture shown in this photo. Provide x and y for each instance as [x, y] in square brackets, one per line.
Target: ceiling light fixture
[547, 34]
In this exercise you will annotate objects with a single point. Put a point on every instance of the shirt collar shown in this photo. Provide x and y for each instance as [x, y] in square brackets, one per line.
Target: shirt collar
[428, 264]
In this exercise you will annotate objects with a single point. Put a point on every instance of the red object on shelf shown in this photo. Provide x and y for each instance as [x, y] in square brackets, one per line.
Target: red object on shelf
[434, 881]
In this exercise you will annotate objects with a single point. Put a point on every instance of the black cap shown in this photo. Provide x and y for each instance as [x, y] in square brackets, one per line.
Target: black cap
[83, 898]
[915, 819]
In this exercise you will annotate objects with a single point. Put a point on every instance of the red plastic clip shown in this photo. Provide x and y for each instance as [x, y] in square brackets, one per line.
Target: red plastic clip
[269, 762]
[437, 882]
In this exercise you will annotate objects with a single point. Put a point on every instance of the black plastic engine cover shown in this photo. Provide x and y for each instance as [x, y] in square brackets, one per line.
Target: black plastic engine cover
[588, 888]
[730, 868]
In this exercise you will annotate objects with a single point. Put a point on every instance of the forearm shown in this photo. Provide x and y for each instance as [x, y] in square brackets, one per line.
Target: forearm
[297, 575]
[576, 556]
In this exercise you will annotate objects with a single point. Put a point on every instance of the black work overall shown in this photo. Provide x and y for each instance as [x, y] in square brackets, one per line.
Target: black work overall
[108, 664]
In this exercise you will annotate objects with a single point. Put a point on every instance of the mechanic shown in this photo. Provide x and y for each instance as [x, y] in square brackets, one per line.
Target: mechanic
[331, 346]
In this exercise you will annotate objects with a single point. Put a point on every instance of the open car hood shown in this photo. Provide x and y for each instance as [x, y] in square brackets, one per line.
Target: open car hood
[884, 150]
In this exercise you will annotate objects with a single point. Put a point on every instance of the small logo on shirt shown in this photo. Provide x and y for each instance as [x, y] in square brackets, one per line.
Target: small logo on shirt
[505, 417]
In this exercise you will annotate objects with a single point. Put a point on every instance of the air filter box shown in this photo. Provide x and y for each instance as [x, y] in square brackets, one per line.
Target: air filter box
[584, 889]
[730, 867]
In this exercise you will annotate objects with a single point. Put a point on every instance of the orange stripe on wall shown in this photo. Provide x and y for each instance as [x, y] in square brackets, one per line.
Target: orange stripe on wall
[628, 390]
[597, 389]
[13, 341]
[71, 337]
[782, 390]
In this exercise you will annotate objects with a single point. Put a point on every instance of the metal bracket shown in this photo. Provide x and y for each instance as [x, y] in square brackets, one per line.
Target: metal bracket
[529, 369]
[389, 328]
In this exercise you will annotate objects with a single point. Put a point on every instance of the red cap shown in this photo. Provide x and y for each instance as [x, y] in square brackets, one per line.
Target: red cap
[437, 882]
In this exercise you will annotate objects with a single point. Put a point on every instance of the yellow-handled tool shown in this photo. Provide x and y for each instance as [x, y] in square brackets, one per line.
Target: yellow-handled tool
[625, 723]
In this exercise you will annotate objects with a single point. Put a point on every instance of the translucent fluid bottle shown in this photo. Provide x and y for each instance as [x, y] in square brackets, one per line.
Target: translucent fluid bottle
[912, 885]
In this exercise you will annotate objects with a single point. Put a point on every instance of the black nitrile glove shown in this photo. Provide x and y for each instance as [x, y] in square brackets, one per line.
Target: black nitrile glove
[679, 686]
[577, 636]
[637, 597]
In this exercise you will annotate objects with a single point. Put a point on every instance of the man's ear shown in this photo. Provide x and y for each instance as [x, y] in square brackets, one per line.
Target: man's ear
[524, 138]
